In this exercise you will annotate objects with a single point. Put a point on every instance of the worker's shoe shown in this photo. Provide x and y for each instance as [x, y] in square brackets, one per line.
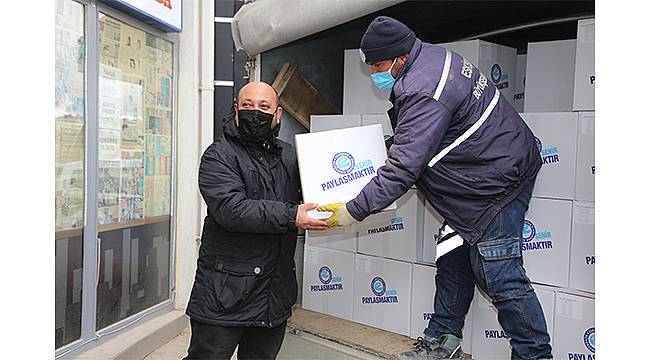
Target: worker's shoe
[421, 350]
[447, 346]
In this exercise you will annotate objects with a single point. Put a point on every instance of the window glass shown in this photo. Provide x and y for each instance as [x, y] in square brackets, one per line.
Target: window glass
[134, 180]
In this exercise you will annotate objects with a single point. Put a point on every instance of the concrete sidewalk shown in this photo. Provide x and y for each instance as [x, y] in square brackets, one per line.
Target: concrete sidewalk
[176, 349]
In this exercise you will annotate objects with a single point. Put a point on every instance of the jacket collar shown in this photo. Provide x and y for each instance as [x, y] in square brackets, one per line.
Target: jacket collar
[230, 127]
[413, 54]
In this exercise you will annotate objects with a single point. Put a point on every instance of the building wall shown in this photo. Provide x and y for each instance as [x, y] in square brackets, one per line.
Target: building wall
[194, 135]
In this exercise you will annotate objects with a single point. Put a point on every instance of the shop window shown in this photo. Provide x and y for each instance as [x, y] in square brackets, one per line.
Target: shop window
[135, 168]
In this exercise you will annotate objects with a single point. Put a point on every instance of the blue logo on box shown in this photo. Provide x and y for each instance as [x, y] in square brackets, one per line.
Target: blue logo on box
[496, 73]
[343, 163]
[590, 339]
[499, 79]
[329, 282]
[543, 239]
[529, 231]
[382, 294]
[378, 286]
[325, 275]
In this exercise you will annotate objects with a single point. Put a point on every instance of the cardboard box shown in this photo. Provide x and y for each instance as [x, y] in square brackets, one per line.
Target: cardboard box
[319, 123]
[381, 119]
[556, 135]
[575, 327]
[550, 73]
[520, 83]
[335, 165]
[495, 61]
[422, 308]
[360, 95]
[586, 157]
[337, 239]
[382, 293]
[546, 241]
[583, 247]
[423, 289]
[585, 69]
[432, 222]
[400, 237]
[489, 341]
[328, 282]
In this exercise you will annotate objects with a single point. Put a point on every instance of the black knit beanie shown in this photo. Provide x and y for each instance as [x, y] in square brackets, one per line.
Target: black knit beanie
[386, 38]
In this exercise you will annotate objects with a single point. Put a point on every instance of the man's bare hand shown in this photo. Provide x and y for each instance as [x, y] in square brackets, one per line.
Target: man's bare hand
[304, 221]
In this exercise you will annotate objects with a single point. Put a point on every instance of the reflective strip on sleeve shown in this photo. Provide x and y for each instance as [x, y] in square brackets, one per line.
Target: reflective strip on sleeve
[445, 75]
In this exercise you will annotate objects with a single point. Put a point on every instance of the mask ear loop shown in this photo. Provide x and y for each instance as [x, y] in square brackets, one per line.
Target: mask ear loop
[391, 66]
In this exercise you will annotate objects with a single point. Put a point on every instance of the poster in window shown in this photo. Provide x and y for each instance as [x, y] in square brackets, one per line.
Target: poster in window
[132, 186]
[109, 41]
[132, 121]
[108, 194]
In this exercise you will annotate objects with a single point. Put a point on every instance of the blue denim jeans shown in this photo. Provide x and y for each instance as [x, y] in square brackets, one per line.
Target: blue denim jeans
[495, 265]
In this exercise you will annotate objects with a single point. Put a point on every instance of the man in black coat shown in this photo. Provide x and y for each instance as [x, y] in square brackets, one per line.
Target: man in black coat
[245, 280]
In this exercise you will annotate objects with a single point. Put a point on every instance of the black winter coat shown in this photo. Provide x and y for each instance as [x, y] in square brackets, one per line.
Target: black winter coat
[246, 274]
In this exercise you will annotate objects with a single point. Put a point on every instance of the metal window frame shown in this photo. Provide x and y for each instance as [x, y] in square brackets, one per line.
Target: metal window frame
[90, 335]
[89, 255]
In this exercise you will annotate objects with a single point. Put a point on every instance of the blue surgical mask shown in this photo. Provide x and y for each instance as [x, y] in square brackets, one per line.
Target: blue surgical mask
[384, 80]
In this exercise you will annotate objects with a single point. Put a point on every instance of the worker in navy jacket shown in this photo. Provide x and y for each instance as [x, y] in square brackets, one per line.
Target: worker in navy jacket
[468, 151]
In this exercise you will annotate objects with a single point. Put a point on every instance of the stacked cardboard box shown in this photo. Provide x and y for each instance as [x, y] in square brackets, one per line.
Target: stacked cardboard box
[328, 281]
[575, 329]
[585, 78]
[560, 226]
[382, 293]
[550, 72]
[400, 237]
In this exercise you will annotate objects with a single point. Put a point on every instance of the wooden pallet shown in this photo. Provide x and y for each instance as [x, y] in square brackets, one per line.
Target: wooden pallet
[299, 97]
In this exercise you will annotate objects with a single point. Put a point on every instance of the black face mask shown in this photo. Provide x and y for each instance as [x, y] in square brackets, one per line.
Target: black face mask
[255, 126]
